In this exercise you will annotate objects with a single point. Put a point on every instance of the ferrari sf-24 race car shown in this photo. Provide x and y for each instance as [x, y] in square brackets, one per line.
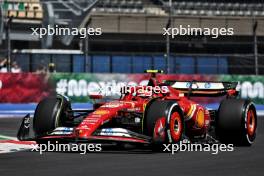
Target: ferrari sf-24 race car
[166, 113]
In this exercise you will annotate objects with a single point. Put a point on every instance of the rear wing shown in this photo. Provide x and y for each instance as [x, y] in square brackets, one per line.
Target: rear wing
[205, 88]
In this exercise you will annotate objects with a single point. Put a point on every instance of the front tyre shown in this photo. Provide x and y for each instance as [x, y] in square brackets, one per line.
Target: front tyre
[50, 113]
[236, 122]
[164, 122]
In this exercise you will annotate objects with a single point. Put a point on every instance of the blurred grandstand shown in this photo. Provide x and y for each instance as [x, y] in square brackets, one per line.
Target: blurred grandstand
[132, 39]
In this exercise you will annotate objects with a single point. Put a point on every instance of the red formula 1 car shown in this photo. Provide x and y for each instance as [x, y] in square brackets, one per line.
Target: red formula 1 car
[161, 112]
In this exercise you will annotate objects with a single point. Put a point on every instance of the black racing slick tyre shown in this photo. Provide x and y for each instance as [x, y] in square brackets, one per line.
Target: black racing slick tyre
[50, 113]
[163, 122]
[236, 122]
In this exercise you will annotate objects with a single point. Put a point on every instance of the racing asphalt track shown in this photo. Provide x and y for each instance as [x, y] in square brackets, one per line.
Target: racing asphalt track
[242, 161]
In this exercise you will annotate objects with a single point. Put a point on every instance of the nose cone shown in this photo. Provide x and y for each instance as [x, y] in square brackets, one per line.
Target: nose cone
[99, 117]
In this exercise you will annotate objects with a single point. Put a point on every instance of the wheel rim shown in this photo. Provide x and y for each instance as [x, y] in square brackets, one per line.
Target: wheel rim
[176, 126]
[251, 122]
[159, 129]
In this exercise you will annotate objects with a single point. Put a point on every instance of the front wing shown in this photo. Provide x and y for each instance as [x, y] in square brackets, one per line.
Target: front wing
[66, 134]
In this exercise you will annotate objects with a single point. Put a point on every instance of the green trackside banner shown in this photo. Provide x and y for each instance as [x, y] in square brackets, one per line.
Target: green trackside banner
[79, 86]
[31, 88]
[250, 86]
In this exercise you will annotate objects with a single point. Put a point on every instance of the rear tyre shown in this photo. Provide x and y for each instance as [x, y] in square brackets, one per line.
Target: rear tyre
[236, 122]
[164, 123]
[50, 113]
